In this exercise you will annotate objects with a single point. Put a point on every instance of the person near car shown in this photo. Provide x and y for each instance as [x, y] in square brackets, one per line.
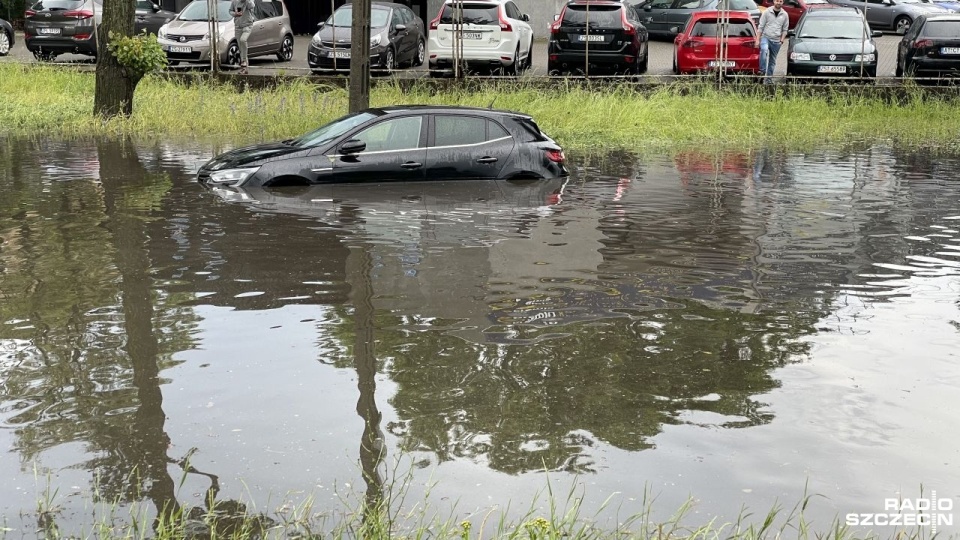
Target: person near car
[771, 34]
[243, 13]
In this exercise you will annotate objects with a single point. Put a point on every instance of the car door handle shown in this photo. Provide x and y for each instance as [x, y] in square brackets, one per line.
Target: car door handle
[411, 165]
[487, 159]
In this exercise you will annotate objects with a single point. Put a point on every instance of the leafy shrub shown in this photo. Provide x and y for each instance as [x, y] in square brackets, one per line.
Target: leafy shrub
[139, 54]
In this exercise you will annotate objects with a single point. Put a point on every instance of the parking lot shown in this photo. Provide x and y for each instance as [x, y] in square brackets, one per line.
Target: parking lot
[661, 59]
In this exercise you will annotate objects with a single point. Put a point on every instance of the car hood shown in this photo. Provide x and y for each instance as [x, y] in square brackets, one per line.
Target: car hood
[925, 8]
[832, 46]
[195, 28]
[342, 33]
[248, 155]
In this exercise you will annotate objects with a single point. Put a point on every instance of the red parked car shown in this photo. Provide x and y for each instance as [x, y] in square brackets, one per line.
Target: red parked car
[698, 48]
[796, 8]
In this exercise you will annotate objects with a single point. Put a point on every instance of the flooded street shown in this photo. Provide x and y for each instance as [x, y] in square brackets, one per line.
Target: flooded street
[737, 330]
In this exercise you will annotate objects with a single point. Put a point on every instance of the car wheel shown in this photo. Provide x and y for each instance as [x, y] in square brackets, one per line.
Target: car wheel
[389, 61]
[233, 55]
[899, 71]
[529, 63]
[4, 43]
[675, 70]
[902, 24]
[645, 64]
[514, 69]
[421, 53]
[285, 54]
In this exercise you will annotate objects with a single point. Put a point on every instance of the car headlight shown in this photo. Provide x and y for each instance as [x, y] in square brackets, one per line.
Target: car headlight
[162, 32]
[865, 57]
[799, 56]
[375, 40]
[232, 177]
[316, 39]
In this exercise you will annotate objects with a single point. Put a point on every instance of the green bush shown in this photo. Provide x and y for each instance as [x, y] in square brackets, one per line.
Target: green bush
[139, 54]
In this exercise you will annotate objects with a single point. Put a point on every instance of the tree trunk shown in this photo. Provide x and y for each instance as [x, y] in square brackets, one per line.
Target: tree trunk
[113, 93]
[360, 56]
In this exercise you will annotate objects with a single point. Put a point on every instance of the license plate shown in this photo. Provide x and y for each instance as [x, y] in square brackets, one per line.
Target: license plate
[472, 35]
[49, 30]
[340, 54]
[725, 63]
[591, 37]
[832, 69]
[180, 49]
[950, 50]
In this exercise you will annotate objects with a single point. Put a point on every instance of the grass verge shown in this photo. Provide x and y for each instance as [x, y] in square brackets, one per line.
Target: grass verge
[54, 102]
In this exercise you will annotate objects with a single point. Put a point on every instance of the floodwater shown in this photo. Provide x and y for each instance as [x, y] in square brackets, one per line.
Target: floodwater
[736, 330]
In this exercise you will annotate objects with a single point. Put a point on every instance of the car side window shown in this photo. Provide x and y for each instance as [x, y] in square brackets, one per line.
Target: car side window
[144, 4]
[394, 134]
[405, 16]
[513, 11]
[495, 131]
[265, 10]
[458, 130]
[395, 19]
[662, 4]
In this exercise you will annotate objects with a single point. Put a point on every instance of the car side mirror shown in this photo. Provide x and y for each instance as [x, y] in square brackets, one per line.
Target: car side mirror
[648, 7]
[791, 33]
[674, 30]
[155, 7]
[556, 17]
[876, 33]
[400, 27]
[353, 146]
[320, 25]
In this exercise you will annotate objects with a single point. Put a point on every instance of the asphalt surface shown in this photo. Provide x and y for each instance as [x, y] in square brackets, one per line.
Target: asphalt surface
[661, 59]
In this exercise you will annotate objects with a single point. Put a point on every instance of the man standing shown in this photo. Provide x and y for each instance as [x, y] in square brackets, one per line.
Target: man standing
[243, 17]
[774, 24]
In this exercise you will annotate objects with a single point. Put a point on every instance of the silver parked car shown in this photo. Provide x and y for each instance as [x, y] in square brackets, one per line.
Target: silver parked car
[896, 15]
[187, 37]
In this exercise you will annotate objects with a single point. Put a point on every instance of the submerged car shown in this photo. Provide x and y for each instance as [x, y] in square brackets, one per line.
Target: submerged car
[701, 47]
[597, 35]
[662, 16]
[401, 143]
[6, 37]
[187, 37]
[931, 48]
[833, 43]
[396, 38]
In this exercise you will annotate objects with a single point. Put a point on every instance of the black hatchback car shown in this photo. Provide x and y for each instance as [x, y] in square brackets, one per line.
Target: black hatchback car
[397, 38]
[401, 143]
[930, 48]
[832, 43]
[591, 36]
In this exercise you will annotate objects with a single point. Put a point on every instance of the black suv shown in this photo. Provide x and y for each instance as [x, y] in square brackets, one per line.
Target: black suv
[592, 36]
[931, 47]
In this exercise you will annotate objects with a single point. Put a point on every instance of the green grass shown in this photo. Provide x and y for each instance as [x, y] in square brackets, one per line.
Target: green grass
[47, 101]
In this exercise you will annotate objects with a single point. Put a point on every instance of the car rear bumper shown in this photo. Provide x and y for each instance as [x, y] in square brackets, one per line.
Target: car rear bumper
[740, 65]
[613, 60]
[934, 67]
[61, 45]
[501, 56]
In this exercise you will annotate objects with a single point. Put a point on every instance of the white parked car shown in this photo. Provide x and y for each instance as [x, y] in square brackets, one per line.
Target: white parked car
[493, 35]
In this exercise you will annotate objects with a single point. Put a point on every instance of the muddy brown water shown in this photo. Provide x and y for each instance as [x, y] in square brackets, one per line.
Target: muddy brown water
[733, 329]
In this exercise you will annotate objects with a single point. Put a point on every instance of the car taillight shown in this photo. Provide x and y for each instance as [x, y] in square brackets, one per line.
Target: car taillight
[29, 13]
[555, 25]
[81, 37]
[692, 44]
[504, 23]
[628, 28]
[78, 13]
[923, 43]
[556, 156]
[436, 20]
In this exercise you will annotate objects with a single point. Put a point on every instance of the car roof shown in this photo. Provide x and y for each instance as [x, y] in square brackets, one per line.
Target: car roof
[839, 11]
[393, 5]
[704, 14]
[595, 3]
[942, 17]
[393, 109]
[497, 2]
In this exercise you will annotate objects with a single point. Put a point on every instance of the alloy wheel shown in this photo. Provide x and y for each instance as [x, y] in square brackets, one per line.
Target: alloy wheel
[902, 25]
[421, 54]
[286, 49]
[4, 43]
[389, 61]
[233, 54]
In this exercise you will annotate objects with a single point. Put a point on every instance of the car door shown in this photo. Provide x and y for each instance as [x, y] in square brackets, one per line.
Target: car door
[400, 38]
[395, 151]
[879, 13]
[526, 32]
[261, 32]
[464, 147]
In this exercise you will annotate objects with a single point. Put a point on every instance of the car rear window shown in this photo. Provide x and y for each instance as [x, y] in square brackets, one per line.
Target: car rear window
[473, 13]
[738, 5]
[57, 4]
[710, 28]
[941, 29]
[597, 15]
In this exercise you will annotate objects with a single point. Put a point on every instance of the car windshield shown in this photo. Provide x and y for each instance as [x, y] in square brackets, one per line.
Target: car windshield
[737, 5]
[941, 29]
[833, 28]
[809, 2]
[605, 16]
[709, 28]
[379, 17]
[197, 11]
[332, 130]
[473, 13]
